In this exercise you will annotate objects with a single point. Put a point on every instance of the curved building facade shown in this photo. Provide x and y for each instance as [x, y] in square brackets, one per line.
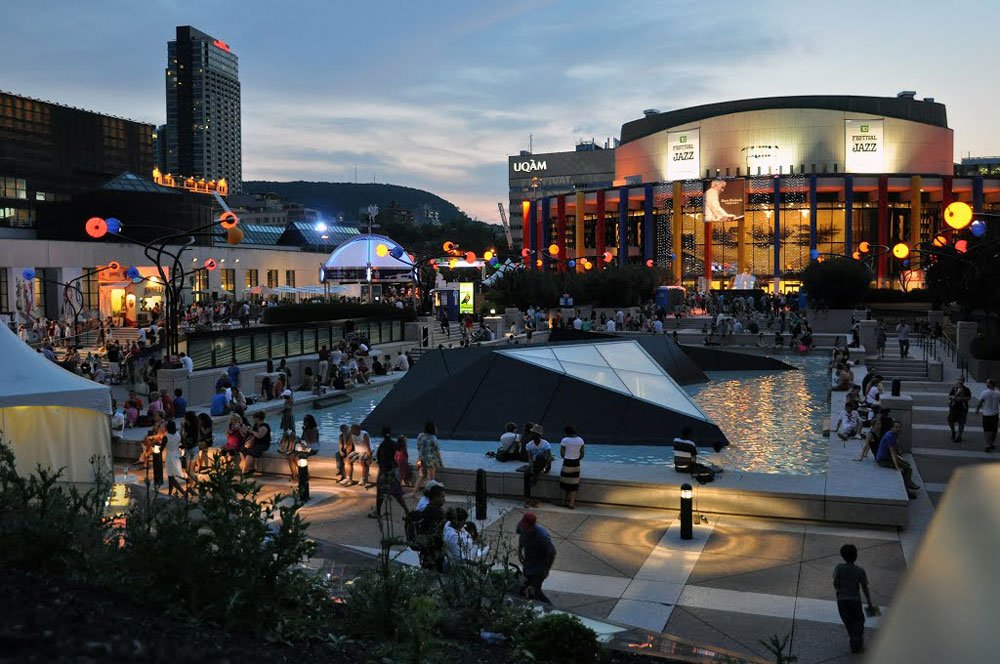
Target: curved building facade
[800, 176]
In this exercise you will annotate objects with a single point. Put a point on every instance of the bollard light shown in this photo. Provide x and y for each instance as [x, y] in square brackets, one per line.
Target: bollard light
[303, 479]
[687, 527]
[480, 495]
[157, 466]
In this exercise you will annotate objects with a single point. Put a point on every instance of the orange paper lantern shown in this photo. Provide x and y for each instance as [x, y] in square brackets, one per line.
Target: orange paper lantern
[96, 227]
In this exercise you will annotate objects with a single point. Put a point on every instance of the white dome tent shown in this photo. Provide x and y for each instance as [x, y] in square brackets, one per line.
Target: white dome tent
[357, 265]
[50, 416]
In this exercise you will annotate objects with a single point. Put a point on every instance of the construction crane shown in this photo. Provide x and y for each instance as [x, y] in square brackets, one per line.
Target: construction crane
[506, 226]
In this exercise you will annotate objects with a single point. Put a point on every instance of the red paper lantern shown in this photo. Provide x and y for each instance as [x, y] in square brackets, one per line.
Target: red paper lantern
[962, 246]
[607, 256]
[649, 262]
[470, 257]
[210, 264]
[228, 220]
[96, 227]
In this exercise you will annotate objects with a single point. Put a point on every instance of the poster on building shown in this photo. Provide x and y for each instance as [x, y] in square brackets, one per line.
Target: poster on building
[865, 146]
[466, 297]
[683, 155]
[724, 200]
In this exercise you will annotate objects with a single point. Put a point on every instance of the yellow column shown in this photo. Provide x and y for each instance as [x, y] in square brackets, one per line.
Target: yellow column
[678, 225]
[741, 245]
[579, 250]
[914, 238]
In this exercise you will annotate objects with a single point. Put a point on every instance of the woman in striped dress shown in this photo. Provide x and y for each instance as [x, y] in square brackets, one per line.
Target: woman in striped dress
[571, 451]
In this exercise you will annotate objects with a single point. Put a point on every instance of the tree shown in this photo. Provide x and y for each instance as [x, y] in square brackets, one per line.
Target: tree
[837, 283]
[969, 279]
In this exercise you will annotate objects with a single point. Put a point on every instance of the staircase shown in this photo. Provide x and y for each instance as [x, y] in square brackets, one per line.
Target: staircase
[891, 365]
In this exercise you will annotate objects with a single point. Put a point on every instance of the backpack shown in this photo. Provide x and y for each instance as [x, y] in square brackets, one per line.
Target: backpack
[412, 523]
[703, 476]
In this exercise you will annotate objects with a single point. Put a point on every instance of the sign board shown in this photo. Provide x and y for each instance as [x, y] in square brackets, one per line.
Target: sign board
[864, 146]
[466, 297]
[683, 155]
[724, 200]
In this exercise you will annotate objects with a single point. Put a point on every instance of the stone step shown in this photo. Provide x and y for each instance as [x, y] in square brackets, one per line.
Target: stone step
[921, 398]
[938, 436]
[939, 415]
[924, 385]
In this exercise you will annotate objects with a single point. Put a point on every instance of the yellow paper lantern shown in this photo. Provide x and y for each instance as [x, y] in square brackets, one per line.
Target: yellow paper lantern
[538, 262]
[940, 241]
[900, 250]
[452, 262]
[958, 215]
[864, 247]
[856, 255]
[487, 255]
[234, 235]
[553, 249]
[381, 250]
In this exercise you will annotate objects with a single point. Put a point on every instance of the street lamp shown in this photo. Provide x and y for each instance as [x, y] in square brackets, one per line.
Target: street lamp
[303, 479]
[687, 513]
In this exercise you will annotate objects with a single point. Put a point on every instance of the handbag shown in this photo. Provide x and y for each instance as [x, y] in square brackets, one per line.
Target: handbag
[287, 444]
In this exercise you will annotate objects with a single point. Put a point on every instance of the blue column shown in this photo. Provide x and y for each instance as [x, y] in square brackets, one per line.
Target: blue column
[812, 213]
[623, 225]
[533, 234]
[777, 227]
[849, 215]
[977, 194]
[648, 225]
[546, 234]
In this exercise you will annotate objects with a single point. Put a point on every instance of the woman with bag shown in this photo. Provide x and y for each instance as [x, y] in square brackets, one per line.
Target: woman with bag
[428, 456]
[189, 443]
[258, 441]
[235, 435]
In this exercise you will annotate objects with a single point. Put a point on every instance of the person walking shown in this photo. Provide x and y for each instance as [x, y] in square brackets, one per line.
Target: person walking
[428, 456]
[571, 449]
[903, 336]
[172, 465]
[848, 578]
[989, 405]
[345, 456]
[387, 484]
[537, 554]
[958, 409]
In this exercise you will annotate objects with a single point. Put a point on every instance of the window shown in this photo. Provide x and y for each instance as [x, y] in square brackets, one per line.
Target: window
[228, 278]
[290, 278]
[199, 284]
[251, 278]
[272, 278]
[90, 290]
[4, 304]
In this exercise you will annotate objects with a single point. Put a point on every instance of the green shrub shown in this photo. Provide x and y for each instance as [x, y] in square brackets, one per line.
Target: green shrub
[985, 347]
[310, 312]
[561, 639]
[838, 283]
[614, 286]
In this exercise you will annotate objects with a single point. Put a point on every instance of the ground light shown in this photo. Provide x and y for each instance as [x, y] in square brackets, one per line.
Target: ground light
[303, 479]
[687, 527]
[157, 466]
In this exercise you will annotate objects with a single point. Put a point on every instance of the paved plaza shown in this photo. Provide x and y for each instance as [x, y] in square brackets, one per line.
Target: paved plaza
[738, 581]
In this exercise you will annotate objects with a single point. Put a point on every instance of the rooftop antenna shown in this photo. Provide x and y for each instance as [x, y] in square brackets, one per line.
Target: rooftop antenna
[355, 173]
[531, 142]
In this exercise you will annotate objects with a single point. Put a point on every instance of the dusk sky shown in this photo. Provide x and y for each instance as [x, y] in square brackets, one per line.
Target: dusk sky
[436, 94]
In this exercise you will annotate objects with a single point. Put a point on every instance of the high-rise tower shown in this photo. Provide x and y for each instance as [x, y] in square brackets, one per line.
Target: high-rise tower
[203, 137]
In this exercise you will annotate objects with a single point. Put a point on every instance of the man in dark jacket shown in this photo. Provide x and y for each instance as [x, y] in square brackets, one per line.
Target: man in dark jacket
[537, 554]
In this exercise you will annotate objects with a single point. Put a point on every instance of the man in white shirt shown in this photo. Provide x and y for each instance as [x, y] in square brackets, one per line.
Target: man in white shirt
[713, 206]
[336, 355]
[539, 462]
[903, 336]
[610, 325]
[577, 323]
[187, 363]
[402, 363]
[989, 404]
[657, 326]
[620, 317]
[849, 422]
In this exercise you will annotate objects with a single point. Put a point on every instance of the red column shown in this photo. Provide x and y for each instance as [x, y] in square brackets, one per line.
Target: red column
[947, 198]
[883, 228]
[526, 230]
[561, 231]
[599, 230]
[540, 251]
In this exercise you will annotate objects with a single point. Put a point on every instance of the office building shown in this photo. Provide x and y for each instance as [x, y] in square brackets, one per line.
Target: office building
[203, 135]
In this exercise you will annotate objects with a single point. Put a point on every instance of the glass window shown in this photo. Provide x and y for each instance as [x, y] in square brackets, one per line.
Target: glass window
[4, 302]
[605, 377]
[90, 289]
[272, 278]
[227, 276]
[626, 356]
[251, 278]
[582, 354]
[659, 390]
[290, 278]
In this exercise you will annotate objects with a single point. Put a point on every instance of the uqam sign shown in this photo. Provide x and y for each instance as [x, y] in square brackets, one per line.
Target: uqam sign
[529, 166]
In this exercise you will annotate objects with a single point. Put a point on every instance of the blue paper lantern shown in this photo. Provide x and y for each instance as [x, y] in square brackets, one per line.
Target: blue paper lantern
[978, 228]
[28, 273]
[814, 254]
[132, 272]
[571, 263]
[906, 263]
[114, 225]
[396, 252]
[673, 256]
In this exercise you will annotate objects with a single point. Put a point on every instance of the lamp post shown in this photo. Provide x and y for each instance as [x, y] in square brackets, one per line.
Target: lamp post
[687, 513]
[303, 479]
[157, 466]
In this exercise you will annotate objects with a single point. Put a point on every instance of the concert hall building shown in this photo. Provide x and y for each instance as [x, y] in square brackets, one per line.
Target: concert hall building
[802, 176]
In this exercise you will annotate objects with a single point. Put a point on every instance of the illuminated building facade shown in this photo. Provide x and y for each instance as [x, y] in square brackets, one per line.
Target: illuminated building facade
[804, 176]
[203, 130]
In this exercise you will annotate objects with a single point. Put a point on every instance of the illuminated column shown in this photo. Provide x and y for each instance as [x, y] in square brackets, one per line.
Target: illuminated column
[561, 231]
[708, 254]
[599, 230]
[648, 227]
[546, 234]
[947, 197]
[849, 215]
[812, 213]
[977, 194]
[623, 226]
[530, 228]
[883, 227]
[915, 209]
[580, 247]
[677, 222]
[777, 231]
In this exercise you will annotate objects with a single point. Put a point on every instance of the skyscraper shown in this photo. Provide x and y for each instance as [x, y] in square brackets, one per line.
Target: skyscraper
[203, 136]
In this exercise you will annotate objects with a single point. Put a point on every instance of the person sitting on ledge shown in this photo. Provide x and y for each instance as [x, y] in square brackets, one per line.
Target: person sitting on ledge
[308, 380]
[849, 422]
[686, 455]
[510, 444]
[887, 456]
[779, 341]
[378, 368]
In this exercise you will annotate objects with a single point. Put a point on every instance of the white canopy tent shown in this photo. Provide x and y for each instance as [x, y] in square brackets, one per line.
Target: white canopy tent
[50, 416]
